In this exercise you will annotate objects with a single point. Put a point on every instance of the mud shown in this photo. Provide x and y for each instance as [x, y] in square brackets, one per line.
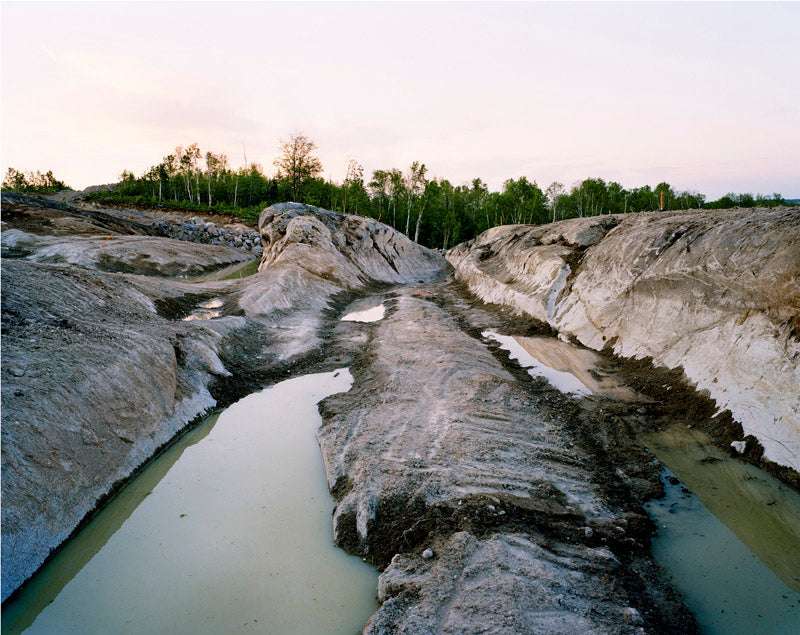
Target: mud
[490, 500]
[444, 443]
[713, 294]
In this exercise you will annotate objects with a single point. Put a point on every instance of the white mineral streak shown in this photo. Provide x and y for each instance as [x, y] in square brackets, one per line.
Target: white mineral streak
[714, 292]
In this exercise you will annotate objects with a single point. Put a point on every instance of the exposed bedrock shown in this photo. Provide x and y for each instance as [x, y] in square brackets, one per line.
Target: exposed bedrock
[101, 369]
[714, 292]
[145, 255]
[451, 472]
[350, 249]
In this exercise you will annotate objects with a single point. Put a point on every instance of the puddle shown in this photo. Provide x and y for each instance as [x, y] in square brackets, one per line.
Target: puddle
[763, 512]
[568, 368]
[724, 584]
[365, 310]
[205, 310]
[231, 272]
[233, 534]
[242, 272]
[40, 590]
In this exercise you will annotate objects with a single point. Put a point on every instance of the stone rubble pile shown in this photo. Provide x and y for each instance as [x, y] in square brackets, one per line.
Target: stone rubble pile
[197, 230]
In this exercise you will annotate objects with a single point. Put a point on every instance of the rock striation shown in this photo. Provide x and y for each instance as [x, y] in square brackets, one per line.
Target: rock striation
[145, 255]
[354, 250]
[101, 368]
[714, 292]
[451, 474]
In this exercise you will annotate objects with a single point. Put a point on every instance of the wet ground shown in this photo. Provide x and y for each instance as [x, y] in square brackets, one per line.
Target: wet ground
[236, 512]
[478, 459]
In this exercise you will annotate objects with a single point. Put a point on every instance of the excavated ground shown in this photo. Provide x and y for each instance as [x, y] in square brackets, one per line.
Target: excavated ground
[531, 501]
[490, 501]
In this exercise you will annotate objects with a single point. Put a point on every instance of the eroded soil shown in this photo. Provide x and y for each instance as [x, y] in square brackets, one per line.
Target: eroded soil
[490, 501]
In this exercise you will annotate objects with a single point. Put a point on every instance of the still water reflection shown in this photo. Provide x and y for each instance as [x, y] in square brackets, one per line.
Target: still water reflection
[232, 533]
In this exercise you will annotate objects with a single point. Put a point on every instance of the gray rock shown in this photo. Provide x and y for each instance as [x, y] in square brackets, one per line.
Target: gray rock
[125, 370]
[713, 292]
[144, 255]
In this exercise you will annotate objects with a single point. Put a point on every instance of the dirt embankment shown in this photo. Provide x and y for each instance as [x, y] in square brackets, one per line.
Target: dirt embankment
[714, 293]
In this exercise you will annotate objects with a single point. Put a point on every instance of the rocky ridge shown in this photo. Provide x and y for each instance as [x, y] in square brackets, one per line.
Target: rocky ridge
[716, 293]
[490, 501]
[100, 369]
[454, 476]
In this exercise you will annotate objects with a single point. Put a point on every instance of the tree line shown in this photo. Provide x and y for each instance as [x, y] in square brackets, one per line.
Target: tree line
[431, 211]
[33, 182]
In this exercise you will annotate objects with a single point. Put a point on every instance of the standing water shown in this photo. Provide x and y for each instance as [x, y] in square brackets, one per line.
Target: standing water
[235, 537]
[731, 545]
[732, 548]
[370, 309]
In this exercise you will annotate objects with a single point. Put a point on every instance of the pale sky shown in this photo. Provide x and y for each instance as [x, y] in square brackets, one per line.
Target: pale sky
[705, 96]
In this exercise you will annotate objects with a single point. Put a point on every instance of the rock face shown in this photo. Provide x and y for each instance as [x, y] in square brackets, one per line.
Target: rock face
[490, 501]
[144, 255]
[352, 249]
[714, 292]
[100, 369]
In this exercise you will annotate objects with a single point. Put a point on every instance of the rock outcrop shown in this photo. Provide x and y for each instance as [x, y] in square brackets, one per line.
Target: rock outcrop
[100, 369]
[145, 255]
[354, 250]
[453, 474]
[491, 502]
[714, 292]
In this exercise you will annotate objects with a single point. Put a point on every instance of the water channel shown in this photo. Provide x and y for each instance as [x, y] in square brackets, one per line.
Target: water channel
[729, 534]
[228, 531]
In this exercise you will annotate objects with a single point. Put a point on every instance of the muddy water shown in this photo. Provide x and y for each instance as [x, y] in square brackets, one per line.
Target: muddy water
[568, 368]
[760, 510]
[231, 272]
[235, 537]
[724, 584]
[731, 541]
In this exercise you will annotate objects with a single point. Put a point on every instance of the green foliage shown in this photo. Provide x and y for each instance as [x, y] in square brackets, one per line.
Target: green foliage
[297, 164]
[33, 182]
[434, 212]
[746, 200]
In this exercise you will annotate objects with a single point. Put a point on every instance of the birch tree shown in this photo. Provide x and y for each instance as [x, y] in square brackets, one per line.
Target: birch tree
[554, 192]
[415, 184]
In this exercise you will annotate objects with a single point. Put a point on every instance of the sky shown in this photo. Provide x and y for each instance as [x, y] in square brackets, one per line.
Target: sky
[705, 96]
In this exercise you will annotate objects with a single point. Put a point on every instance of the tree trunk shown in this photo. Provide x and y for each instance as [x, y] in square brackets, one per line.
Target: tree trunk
[419, 219]
[236, 191]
